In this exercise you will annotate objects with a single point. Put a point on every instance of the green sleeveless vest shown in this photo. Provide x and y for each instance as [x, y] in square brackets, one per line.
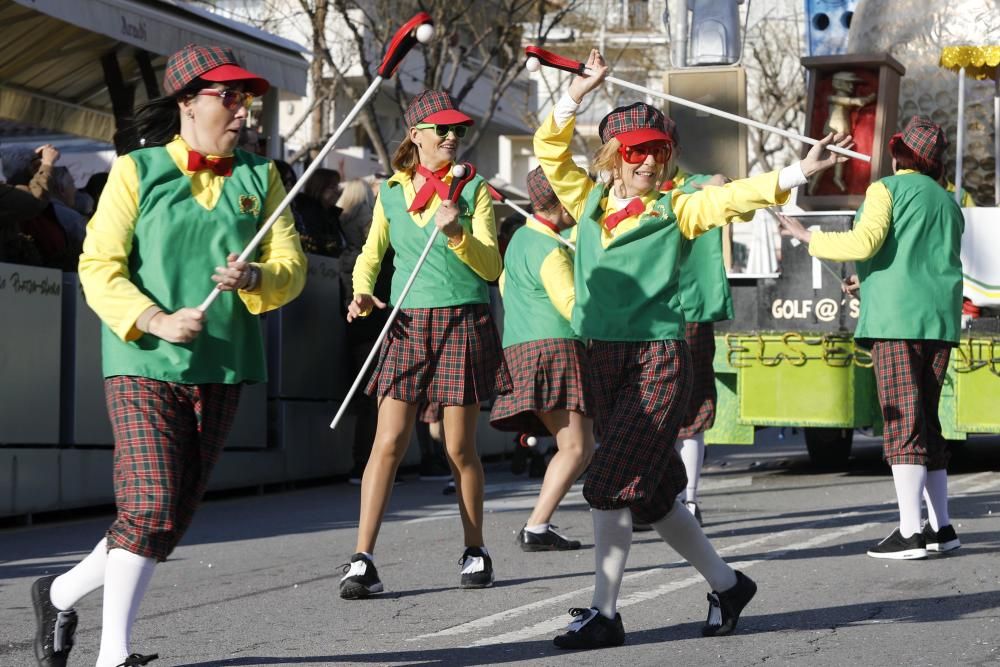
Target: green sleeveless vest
[444, 280]
[629, 290]
[912, 288]
[704, 287]
[175, 248]
[528, 311]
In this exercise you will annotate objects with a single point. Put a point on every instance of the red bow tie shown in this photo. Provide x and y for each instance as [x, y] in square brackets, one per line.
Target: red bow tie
[432, 184]
[634, 207]
[222, 166]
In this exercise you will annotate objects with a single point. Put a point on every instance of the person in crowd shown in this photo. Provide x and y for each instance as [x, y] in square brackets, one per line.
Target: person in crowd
[171, 222]
[318, 214]
[906, 243]
[443, 348]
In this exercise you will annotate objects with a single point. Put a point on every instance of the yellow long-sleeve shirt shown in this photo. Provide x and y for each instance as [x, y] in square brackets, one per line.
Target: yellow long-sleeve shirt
[868, 234]
[555, 274]
[696, 213]
[104, 270]
[479, 251]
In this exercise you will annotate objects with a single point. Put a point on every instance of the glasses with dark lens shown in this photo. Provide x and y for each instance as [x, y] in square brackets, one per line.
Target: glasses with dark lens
[231, 99]
[443, 130]
[637, 154]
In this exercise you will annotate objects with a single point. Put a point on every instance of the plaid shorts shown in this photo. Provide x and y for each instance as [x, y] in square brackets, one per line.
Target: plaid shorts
[450, 356]
[909, 375]
[168, 437]
[548, 375]
[700, 414]
[640, 392]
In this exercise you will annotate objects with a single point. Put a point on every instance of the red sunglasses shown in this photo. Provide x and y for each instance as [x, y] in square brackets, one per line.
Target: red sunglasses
[231, 99]
[660, 150]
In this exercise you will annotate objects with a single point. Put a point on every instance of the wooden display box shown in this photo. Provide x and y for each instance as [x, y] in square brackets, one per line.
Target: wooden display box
[862, 90]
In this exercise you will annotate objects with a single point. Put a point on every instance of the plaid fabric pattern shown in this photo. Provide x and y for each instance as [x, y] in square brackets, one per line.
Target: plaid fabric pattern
[441, 355]
[700, 416]
[191, 62]
[548, 374]
[542, 197]
[167, 439]
[425, 104]
[909, 375]
[640, 392]
[635, 116]
[925, 138]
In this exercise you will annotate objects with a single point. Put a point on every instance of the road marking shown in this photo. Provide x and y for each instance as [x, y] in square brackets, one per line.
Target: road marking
[488, 621]
[993, 481]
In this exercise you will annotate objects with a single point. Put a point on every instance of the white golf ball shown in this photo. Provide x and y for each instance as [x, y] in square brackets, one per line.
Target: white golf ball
[458, 171]
[533, 64]
[425, 33]
[531, 441]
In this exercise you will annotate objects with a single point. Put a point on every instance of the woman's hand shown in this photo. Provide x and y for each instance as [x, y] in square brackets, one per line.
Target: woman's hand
[234, 276]
[791, 227]
[581, 85]
[182, 326]
[446, 220]
[820, 159]
[361, 305]
[852, 286]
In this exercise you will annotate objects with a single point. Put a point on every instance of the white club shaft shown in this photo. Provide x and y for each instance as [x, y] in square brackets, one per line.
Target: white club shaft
[521, 211]
[385, 329]
[299, 184]
[733, 117]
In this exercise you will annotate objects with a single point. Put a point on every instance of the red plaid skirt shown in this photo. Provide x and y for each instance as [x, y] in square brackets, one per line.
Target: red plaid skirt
[168, 437]
[640, 392]
[909, 375]
[450, 356]
[548, 375]
[700, 414]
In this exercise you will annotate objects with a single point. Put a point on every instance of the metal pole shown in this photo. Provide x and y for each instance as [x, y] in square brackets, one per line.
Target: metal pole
[960, 141]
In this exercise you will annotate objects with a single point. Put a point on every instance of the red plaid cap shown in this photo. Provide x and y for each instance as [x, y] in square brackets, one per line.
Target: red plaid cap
[925, 138]
[434, 106]
[635, 124]
[211, 63]
[542, 197]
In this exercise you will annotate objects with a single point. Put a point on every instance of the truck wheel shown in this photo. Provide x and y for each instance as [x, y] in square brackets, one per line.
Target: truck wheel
[829, 447]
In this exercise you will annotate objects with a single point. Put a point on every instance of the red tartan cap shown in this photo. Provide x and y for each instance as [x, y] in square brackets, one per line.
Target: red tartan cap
[925, 138]
[434, 106]
[635, 124]
[540, 192]
[211, 63]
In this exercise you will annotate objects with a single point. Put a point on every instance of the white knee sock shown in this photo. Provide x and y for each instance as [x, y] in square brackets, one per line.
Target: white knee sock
[125, 581]
[86, 576]
[612, 540]
[936, 497]
[681, 531]
[692, 451]
[909, 480]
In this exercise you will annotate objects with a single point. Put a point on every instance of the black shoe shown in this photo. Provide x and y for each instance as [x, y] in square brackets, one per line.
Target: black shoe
[550, 540]
[477, 568]
[694, 509]
[537, 466]
[354, 477]
[434, 469]
[449, 488]
[54, 629]
[895, 547]
[941, 540]
[724, 608]
[640, 527]
[136, 660]
[591, 630]
[360, 578]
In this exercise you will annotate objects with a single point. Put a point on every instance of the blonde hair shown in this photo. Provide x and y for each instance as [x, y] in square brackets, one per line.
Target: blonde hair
[607, 164]
[354, 192]
[406, 157]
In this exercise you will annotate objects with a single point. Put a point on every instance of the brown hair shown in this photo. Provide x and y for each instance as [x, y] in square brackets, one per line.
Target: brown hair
[406, 157]
[319, 181]
[907, 159]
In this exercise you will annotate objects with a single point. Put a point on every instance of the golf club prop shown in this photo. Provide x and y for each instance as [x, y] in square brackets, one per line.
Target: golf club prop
[499, 196]
[538, 57]
[420, 28]
[462, 173]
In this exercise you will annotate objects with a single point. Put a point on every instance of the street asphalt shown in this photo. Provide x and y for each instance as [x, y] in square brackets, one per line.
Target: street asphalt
[255, 580]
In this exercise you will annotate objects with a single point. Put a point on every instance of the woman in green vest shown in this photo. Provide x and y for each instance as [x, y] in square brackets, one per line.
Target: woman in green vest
[173, 212]
[907, 241]
[443, 347]
[547, 360]
[628, 304]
